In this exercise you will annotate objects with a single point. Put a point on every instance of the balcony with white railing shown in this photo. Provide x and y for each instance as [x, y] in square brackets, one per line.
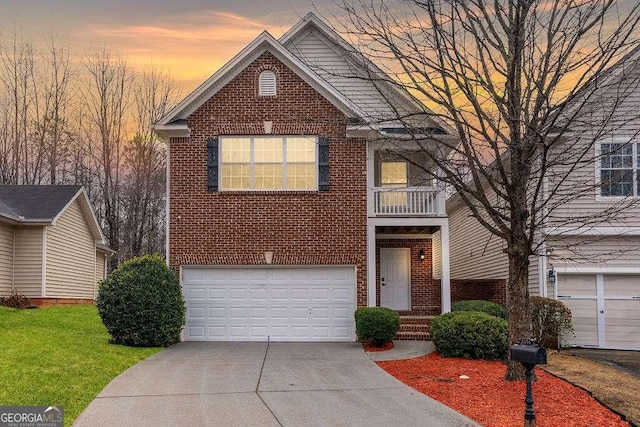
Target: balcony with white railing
[408, 201]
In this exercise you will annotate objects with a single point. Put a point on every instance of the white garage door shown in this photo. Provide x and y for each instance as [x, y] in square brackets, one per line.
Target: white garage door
[605, 309]
[279, 304]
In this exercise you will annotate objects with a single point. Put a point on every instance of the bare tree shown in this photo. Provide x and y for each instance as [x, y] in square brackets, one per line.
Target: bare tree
[517, 81]
[143, 197]
[53, 128]
[106, 96]
[16, 71]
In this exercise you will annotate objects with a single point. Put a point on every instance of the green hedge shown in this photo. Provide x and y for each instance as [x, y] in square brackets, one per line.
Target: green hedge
[470, 334]
[377, 325]
[141, 303]
[480, 305]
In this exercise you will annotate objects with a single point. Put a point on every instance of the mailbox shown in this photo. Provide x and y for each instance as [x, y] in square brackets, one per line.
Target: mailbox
[529, 354]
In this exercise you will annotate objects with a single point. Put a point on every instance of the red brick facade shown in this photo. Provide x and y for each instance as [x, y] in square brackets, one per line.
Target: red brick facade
[300, 228]
[425, 293]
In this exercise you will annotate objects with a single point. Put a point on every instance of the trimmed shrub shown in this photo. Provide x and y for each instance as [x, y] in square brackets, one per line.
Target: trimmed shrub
[550, 319]
[470, 334]
[377, 325]
[141, 303]
[15, 300]
[480, 305]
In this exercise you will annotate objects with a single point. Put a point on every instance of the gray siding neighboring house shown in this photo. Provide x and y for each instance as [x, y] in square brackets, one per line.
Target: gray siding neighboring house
[51, 246]
[596, 265]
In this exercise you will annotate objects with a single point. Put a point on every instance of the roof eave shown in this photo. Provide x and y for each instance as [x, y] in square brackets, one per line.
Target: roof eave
[172, 130]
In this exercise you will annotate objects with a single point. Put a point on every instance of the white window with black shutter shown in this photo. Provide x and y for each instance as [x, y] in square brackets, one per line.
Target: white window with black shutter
[262, 163]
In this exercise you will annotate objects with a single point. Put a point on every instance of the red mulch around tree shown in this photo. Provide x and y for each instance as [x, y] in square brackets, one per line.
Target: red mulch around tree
[384, 347]
[491, 401]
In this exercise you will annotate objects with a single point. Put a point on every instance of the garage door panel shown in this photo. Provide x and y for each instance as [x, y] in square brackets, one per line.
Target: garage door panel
[577, 285]
[196, 313]
[282, 304]
[607, 317]
[622, 285]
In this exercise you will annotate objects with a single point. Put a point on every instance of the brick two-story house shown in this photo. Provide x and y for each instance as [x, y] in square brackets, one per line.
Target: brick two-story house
[284, 212]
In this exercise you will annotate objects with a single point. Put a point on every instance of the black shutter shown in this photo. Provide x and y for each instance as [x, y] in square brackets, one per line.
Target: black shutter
[212, 164]
[323, 164]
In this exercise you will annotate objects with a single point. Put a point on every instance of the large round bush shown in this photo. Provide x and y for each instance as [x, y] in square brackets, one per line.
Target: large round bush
[377, 325]
[480, 305]
[141, 303]
[470, 334]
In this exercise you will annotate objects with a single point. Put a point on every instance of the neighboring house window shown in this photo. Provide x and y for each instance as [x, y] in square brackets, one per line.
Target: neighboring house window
[267, 83]
[619, 169]
[269, 163]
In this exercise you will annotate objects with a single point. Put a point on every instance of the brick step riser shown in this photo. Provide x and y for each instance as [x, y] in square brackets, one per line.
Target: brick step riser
[408, 336]
[414, 328]
[415, 321]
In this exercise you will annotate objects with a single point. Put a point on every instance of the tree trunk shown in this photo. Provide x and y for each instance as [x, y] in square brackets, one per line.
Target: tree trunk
[518, 304]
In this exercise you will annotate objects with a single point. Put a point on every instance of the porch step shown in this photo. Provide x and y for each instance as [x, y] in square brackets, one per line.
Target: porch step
[414, 328]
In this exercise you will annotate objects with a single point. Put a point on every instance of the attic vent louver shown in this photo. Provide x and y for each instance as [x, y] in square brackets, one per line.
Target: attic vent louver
[267, 83]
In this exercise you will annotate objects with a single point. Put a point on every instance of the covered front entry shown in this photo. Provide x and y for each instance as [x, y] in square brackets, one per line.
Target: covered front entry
[253, 303]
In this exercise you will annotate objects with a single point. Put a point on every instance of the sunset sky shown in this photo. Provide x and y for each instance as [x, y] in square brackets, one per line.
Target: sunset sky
[190, 38]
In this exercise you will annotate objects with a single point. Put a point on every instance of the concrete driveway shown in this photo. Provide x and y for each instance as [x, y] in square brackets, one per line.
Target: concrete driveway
[260, 384]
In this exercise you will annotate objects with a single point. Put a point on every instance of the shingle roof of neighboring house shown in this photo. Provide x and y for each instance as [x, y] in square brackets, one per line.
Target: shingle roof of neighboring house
[43, 204]
[35, 202]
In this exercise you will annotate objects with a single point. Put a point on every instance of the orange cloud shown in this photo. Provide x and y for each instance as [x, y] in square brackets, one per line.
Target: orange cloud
[191, 46]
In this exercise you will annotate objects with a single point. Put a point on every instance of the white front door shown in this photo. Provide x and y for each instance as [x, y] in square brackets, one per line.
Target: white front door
[395, 271]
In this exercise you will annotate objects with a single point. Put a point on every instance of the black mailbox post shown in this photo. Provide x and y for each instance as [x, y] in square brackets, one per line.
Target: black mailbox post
[530, 356]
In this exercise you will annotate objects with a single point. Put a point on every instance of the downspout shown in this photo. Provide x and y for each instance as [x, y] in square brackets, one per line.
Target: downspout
[13, 262]
[44, 261]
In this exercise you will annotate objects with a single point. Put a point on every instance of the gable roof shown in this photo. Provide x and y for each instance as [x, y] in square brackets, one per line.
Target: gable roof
[386, 100]
[44, 204]
[368, 108]
[265, 42]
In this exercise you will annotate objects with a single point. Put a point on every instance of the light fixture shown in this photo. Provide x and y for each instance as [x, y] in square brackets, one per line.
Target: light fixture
[421, 254]
[551, 274]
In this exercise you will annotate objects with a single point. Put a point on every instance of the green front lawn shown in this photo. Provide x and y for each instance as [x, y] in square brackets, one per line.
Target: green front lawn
[59, 356]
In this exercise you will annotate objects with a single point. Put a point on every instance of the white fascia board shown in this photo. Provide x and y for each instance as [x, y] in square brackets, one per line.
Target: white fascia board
[593, 231]
[594, 269]
[89, 214]
[264, 42]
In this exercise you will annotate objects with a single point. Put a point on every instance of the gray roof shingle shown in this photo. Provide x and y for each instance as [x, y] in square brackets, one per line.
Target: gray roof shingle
[35, 202]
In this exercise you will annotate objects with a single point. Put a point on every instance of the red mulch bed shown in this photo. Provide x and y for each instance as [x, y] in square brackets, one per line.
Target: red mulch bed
[490, 400]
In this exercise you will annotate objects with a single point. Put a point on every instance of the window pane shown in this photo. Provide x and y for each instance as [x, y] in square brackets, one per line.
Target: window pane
[616, 182]
[236, 150]
[301, 176]
[267, 150]
[235, 176]
[301, 150]
[267, 176]
[394, 174]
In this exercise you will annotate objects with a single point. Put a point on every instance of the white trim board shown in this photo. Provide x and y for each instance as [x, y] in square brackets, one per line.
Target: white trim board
[592, 269]
[593, 231]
